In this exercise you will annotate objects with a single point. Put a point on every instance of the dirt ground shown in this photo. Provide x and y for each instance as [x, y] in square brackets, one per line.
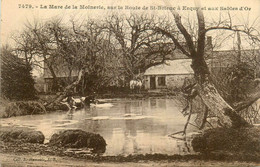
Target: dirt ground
[26, 160]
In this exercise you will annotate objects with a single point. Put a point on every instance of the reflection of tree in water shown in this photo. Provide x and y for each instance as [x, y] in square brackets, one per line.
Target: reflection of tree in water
[184, 145]
[95, 124]
[71, 112]
[130, 131]
[162, 103]
[153, 102]
[70, 116]
[130, 136]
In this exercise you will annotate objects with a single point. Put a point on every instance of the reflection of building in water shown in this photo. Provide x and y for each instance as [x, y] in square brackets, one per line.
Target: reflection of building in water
[162, 103]
[153, 102]
[127, 107]
[130, 134]
[133, 108]
[96, 124]
[157, 103]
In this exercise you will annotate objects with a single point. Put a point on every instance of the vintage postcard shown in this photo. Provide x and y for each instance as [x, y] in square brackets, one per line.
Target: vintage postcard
[130, 83]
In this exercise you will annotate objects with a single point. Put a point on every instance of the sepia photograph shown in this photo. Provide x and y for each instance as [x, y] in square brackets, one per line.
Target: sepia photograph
[129, 83]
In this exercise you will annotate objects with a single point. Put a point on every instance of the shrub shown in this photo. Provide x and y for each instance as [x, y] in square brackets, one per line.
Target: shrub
[235, 82]
[16, 79]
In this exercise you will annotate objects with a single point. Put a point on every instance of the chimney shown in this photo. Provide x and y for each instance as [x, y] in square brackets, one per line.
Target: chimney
[209, 45]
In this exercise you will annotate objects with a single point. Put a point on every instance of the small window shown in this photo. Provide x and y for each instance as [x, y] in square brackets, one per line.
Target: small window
[161, 81]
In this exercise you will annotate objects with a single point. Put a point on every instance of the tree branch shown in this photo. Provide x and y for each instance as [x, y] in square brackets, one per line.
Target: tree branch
[201, 32]
[175, 41]
[185, 33]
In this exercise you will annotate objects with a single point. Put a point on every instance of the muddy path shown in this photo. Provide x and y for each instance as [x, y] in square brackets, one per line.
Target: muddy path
[21, 154]
[36, 160]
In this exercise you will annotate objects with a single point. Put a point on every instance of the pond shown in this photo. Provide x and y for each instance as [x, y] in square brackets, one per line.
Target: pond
[129, 126]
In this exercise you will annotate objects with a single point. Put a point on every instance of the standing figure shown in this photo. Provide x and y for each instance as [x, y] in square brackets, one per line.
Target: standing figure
[90, 99]
[71, 104]
[136, 85]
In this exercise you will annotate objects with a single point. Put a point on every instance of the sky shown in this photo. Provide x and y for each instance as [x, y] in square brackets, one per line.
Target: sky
[13, 18]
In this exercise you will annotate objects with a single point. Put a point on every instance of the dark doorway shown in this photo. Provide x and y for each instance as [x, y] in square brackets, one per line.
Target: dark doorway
[152, 83]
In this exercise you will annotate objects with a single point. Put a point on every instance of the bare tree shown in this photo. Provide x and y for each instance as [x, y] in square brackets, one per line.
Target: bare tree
[98, 54]
[38, 45]
[25, 47]
[138, 43]
[195, 50]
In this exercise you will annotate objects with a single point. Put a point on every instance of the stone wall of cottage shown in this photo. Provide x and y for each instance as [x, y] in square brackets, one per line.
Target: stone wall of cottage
[176, 81]
[171, 81]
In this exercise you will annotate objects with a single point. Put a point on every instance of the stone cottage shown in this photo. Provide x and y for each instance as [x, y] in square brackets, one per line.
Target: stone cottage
[169, 75]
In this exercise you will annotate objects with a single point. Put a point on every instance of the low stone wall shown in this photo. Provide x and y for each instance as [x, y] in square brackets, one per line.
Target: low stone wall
[177, 81]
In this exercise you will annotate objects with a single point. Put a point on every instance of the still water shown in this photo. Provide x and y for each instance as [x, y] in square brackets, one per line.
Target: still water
[129, 126]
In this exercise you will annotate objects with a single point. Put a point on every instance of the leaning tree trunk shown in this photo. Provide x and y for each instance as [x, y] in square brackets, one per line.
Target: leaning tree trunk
[204, 87]
[212, 99]
[67, 90]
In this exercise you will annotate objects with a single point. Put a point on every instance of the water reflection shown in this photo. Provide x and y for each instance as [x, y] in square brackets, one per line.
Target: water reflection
[128, 126]
[130, 129]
